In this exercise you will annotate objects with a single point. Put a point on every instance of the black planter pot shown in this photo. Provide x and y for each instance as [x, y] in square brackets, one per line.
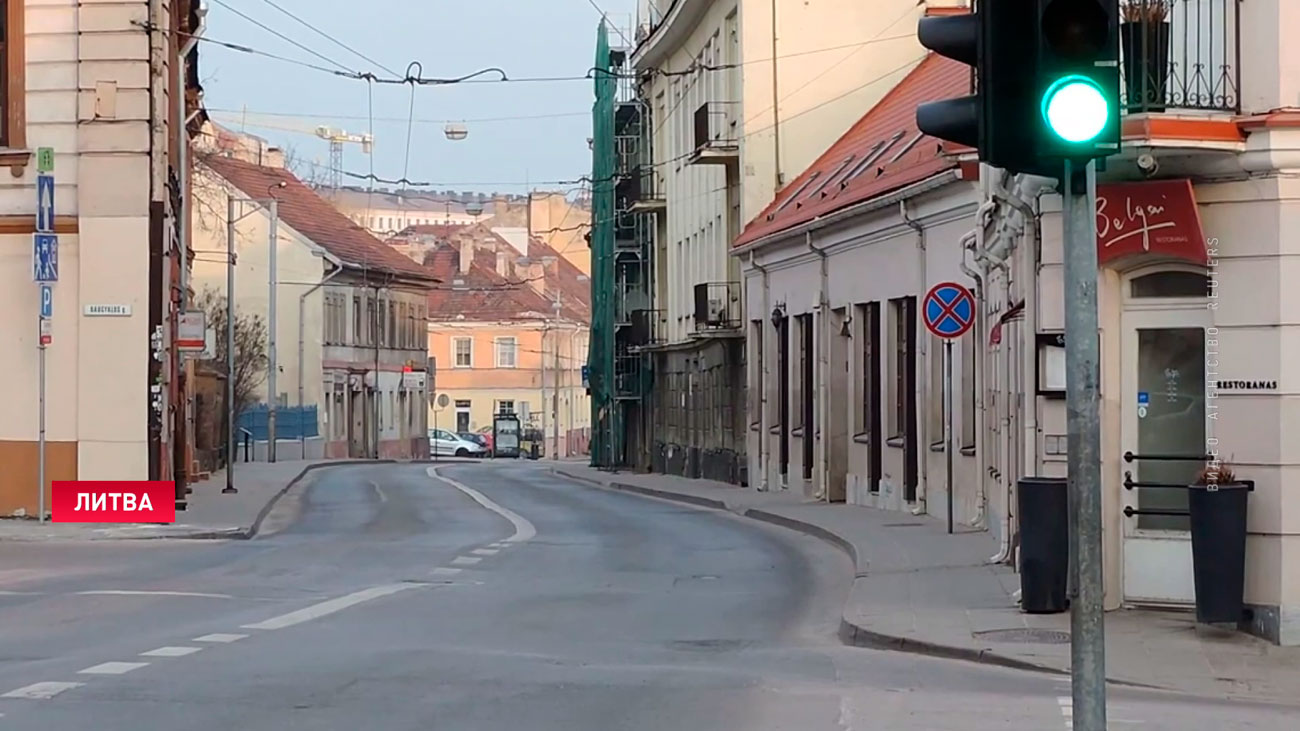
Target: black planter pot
[1218, 527]
[1144, 53]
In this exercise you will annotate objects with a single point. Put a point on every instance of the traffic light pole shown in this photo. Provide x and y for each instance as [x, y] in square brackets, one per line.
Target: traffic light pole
[1082, 393]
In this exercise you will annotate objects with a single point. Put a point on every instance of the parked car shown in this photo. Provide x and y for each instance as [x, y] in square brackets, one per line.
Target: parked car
[443, 443]
[479, 439]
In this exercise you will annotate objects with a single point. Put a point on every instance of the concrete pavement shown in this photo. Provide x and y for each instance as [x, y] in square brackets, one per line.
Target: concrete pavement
[918, 589]
[379, 597]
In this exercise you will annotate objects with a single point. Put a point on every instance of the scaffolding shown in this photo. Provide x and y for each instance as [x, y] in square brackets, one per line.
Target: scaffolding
[624, 206]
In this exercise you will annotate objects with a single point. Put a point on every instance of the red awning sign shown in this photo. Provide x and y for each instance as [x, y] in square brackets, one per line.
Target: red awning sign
[1157, 218]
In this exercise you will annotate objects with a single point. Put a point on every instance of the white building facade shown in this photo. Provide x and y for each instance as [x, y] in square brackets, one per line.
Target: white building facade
[737, 95]
[84, 80]
[1195, 308]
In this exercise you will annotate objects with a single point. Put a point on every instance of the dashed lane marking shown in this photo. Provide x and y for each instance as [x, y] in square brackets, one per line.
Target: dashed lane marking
[316, 611]
[485, 551]
[444, 571]
[465, 560]
[41, 691]
[171, 652]
[126, 592]
[113, 668]
[219, 637]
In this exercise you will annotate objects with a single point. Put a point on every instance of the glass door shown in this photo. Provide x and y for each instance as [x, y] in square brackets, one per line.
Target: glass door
[1164, 418]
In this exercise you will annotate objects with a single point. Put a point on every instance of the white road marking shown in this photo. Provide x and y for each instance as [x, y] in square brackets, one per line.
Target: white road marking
[486, 551]
[444, 571]
[171, 652]
[219, 637]
[524, 530]
[125, 592]
[316, 611]
[113, 668]
[41, 691]
[1067, 711]
[465, 560]
[382, 497]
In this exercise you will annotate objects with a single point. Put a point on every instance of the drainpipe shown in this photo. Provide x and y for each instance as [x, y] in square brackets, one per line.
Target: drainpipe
[302, 304]
[823, 363]
[1029, 354]
[763, 426]
[923, 449]
[968, 242]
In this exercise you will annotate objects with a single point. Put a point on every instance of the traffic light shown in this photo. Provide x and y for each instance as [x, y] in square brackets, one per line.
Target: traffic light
[1078, 78]
[1047, 81]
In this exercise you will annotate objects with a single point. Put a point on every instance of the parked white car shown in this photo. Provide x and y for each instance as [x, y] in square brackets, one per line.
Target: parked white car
[443, 443]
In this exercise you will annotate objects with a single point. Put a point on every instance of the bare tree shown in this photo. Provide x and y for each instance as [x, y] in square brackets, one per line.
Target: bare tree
[250, 347]
[308, 171]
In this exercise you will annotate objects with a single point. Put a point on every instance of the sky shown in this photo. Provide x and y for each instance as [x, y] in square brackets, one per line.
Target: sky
[285, 102]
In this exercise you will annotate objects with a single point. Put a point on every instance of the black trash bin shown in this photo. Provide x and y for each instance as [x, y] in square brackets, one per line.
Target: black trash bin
[1218, 527]
[1044, 505]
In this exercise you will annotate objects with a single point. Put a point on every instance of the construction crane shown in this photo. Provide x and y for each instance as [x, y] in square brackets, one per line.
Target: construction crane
[336, 138]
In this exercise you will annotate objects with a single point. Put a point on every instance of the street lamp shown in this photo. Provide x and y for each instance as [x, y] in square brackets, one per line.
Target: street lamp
[231, 219]
[273, 396]
[455, 131]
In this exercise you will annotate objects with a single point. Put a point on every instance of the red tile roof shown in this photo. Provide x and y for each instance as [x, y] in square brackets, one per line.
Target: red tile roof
[313, 217]
[883, 152]
[481, 294]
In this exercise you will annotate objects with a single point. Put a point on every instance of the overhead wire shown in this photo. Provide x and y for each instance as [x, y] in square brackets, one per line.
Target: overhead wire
[329, 37]
[282, 36]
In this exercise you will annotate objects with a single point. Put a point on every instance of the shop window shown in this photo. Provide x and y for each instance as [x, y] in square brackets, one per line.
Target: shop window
[1170, 284]
[968, 351]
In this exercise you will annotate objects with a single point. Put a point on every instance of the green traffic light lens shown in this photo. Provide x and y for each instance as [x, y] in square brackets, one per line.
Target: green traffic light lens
[1075, 109]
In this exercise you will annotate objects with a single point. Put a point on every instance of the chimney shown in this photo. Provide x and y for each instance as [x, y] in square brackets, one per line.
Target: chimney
[503, 264]
[466, 254]
[273, 158]
[537, 277]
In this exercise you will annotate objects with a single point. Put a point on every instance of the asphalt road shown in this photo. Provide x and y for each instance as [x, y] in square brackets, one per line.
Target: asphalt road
[384, 598]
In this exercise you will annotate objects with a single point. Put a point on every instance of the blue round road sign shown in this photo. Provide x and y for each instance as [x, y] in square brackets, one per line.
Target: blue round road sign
[948, 310]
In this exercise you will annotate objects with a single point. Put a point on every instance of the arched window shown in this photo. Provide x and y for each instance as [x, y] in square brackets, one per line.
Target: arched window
[1170, 283]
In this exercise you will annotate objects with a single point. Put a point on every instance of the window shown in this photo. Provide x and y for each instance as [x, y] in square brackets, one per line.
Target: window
[798, 388]
[357, 332]
[900, 316]
[968, 349]
[392, 325]
[1170, 284]
[462, 352]
[903, 427]
[935, 424]
[507, 352]
[505, 407]
[12, 75]
[756, 382]
[869, 428]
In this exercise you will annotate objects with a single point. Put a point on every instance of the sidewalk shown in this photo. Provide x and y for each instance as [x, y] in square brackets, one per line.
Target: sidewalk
[210, 514]
[918, 589]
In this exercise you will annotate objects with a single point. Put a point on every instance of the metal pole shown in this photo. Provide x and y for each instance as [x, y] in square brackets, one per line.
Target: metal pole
[40, 469]
[1082, 366]
[273, 395]
[545, 405]
[230, 347]
[947, 423]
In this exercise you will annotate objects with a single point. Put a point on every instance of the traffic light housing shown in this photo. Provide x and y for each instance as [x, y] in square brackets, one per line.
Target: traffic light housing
[1047, 82]
[1077, 78]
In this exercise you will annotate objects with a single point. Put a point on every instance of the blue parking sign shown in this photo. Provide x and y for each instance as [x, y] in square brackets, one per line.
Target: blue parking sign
[47, 301]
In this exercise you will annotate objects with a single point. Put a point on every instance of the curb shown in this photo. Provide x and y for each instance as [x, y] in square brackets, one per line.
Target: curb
[850, 633]
[699, 502]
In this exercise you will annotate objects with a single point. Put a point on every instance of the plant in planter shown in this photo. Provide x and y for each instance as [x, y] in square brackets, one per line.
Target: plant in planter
[1217, 512]
[1144, 51]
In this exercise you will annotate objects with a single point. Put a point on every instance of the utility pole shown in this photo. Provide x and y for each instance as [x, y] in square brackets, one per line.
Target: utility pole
[273, 395]
[1082, 400]
[230, 346]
